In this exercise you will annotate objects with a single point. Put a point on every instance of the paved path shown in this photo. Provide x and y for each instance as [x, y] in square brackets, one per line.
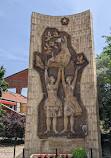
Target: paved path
[7, 152]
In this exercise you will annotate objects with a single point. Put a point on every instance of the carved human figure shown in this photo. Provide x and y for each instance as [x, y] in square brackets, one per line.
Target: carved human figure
[71, 106]
[53, 105]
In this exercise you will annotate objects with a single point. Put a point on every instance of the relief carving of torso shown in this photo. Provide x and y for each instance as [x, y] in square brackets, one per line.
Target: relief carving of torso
[61, 111]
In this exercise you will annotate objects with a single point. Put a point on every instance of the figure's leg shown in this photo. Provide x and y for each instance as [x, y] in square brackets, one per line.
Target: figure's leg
[65, 124]
[72, 123]
[54, 124]
[48, 124]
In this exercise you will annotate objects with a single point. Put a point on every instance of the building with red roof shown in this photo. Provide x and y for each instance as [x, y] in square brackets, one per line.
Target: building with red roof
[14, 101]
[18, 80]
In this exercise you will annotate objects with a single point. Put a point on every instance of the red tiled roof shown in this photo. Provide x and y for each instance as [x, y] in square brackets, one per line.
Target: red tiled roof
[7, 102]
[7, 95]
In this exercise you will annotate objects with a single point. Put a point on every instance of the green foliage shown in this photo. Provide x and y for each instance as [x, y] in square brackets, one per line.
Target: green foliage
[103, 65]
[3, 87]
[79, 153]
[2, 112]
[2, 127]
[14, 125]
[3, 83]
[107, 49]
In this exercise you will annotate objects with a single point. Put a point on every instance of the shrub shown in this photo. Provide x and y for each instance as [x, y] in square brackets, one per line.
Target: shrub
[2, 112]
[79, 153]
[14, 125]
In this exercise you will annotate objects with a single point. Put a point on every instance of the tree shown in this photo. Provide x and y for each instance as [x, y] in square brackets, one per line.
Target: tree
[3, 87]
[3, 83]
[14, 125]
[107, 49]
[2, 127]
[103, 65]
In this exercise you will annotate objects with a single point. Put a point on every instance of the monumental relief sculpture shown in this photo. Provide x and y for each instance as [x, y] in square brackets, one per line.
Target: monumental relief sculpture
[52, 105]
[71, 105]
[61, 111]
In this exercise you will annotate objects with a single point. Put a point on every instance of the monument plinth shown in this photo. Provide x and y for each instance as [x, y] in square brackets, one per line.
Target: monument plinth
[62, 107]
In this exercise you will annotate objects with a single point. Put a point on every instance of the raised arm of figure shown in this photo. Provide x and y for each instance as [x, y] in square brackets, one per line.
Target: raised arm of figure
[63, 80]
[58, 77]
[46, 76]
[75, 76]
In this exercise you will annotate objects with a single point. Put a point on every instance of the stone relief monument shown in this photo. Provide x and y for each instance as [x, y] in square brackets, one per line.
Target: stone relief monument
[62, 109]
[60, 70]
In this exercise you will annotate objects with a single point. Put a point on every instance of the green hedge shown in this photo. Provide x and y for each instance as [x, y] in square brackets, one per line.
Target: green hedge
[79, 153]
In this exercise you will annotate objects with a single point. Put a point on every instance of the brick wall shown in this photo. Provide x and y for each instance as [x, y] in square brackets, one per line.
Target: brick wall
[18, 80]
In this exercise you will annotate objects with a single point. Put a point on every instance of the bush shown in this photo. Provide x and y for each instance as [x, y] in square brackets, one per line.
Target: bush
[2, 112]
[14, 125]
[79, 153]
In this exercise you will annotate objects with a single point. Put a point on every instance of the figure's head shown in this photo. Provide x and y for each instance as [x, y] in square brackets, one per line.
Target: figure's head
[52, 80]
[69, 79]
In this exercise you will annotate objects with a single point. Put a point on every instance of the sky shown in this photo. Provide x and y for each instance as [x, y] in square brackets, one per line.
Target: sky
[15, 22]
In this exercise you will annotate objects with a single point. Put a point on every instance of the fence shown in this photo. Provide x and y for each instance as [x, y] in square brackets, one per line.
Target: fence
[17, 151]
[9, 149]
